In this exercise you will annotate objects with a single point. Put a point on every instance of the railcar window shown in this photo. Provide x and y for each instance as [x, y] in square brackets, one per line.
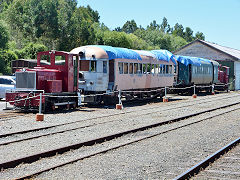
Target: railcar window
[93, 66]
[170, 69]
[104, 66]
[130, 68]
[84, 65]
[175, 68]
[149, 68]
[120, 68]
[167, 69]
[60, 60]
[164, 69]
[153, 69]
[157, 68]
[45, 60]
[140, 68]
[160, 68]
[125, 68]
[144, 68]
[135, 68]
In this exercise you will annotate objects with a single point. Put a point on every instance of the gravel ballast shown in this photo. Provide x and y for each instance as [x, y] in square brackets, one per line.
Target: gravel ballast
[143, 115]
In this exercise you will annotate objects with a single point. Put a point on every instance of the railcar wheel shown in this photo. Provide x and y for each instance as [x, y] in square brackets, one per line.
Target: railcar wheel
[68, 107]
[74, 106]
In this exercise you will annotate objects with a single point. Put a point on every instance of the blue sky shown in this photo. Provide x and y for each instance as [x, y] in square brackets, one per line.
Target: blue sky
[219, 20]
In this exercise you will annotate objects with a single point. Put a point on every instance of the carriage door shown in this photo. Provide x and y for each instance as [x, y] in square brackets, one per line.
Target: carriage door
[75, 71]
[111, 75]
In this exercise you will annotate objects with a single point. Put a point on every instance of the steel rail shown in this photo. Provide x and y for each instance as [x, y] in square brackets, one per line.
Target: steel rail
[205, 163]
[35, 157]
[30, 175]
[115, 114]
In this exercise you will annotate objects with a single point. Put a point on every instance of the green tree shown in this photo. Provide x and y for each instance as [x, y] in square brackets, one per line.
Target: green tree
[116, 39]
[199, 35]
[177, 42]
[31, 50]
[129, 27]
[5, 61]
[136, 42]
[153, 26]
[188, 34]
[4, 36]
[178, 30]
[118, 29]
[164, 25]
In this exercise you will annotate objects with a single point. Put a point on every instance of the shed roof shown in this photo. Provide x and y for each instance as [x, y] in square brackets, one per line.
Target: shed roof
[230, 51]
[234, 53]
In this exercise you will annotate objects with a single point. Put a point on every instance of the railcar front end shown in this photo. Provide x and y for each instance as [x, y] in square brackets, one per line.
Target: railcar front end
[56, 82]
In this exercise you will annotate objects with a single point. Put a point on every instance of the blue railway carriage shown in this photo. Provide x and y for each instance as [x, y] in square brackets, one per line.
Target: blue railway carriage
[104, 70]
[196, 71]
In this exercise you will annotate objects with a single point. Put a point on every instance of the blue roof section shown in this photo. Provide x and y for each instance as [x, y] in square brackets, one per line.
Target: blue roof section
[164, 55]
[186, 60]
[119, 53]
[146, 53]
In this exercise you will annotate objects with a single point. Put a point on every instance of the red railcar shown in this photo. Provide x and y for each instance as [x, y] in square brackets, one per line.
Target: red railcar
[56, 77]
[223, 74]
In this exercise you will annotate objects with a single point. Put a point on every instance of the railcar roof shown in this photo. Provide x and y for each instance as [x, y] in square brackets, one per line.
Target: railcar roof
[119, 53]
[164, 55]
[109, 52]
[186, 60]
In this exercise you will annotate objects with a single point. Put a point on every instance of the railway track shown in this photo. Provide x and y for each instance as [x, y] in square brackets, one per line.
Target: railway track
[103, 139]
[201, 167]
[77, 124]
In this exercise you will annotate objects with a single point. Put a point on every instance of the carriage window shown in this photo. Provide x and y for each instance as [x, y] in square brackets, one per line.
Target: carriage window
[60, 60]
[125, 68]
[164, 69]
[170, 69]
[130, 68]
[149, 68]
[45, 60]
[135, 68]
[104, 66]
[93, 66]
[84, 65]
[140, 67]
[120, 68]
[167, 69]
[156, 68]
[160, 68]
[153, 69]
[144, 68]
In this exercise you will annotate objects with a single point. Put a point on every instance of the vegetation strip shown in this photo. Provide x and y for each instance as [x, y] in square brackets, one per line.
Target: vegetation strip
[203, 164]
[61, 150]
